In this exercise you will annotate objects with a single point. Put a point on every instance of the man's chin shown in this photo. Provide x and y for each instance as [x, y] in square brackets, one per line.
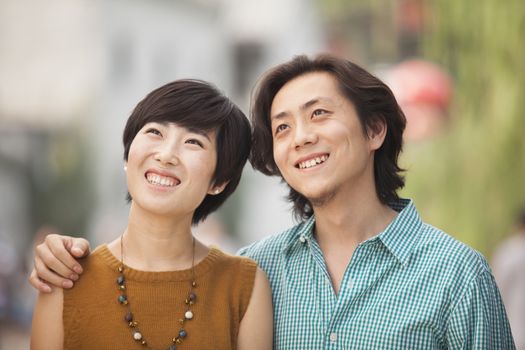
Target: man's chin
[320, 200]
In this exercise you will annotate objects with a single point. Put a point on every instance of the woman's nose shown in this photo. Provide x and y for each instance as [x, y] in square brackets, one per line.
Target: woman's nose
[167, 153]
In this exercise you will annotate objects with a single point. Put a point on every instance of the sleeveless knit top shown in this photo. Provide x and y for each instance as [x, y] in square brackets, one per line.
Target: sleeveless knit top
[94, 319]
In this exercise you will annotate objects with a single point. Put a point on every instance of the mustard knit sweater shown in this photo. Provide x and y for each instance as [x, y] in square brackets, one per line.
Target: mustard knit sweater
[94, 319]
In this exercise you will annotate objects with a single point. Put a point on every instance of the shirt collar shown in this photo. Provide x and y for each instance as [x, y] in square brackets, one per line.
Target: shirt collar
[300, 234]
[399, 237]
[403, 232]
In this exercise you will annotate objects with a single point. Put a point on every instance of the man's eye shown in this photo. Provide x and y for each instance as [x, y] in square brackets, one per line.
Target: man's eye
[319, 112]
[153, 131]
[195, 142]
[280, 128]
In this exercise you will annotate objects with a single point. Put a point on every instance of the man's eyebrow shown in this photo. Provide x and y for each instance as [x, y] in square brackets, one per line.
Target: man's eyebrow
[279, 116]
[310, 103]
[302, 107]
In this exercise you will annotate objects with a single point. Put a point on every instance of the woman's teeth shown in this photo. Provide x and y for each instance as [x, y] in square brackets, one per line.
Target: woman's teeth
[155, 179]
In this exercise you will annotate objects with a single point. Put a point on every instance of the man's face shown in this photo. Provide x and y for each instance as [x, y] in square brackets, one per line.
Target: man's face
[318, 142]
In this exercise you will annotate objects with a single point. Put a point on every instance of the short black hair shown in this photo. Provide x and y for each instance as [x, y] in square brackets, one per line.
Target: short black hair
[199, 105]
[374, 103]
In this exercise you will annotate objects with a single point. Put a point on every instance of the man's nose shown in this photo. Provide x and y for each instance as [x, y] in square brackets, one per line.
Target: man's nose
[304, 134]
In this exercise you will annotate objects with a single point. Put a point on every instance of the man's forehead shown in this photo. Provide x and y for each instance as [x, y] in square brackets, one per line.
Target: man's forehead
[303, 106]
[308, 86]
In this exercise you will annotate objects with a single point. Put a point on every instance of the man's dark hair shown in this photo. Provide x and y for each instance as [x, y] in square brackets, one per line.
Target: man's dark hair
[374, 103]
[198, 105]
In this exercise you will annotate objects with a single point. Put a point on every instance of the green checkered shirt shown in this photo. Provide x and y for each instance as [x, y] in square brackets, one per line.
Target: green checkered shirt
[410, 287]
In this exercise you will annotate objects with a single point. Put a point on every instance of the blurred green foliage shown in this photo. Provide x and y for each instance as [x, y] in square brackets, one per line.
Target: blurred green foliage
[62, 186]
[470, 179]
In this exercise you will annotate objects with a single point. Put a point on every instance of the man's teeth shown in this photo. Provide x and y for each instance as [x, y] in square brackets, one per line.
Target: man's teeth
[155, 179]
[312, 162]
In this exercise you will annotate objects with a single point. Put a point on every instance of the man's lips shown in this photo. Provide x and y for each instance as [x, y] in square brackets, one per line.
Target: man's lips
[312, 160]
[161, 178]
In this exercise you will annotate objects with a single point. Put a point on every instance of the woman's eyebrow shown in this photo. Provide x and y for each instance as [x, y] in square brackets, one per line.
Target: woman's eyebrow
[199, 132]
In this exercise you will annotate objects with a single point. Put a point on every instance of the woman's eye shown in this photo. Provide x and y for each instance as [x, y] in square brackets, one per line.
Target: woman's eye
[195, 142]
[318, 112]
[153, 131]
[280, 128]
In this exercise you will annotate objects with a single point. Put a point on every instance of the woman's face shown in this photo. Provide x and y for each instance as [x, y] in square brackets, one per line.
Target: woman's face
[170, 168]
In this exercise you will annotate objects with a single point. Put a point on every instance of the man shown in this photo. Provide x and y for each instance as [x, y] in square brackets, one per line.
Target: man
[361, 270]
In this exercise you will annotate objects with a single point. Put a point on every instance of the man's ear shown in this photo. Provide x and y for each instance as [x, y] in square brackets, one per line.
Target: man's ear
[216, 189]
[377, 133]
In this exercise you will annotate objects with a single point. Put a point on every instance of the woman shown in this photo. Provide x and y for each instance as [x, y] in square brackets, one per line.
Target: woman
[156, 286]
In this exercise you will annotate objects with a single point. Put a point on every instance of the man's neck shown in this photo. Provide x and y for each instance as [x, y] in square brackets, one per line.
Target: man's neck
[341, 225]
[351, 220]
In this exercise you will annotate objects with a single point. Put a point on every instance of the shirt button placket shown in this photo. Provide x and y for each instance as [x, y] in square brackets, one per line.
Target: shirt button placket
[333, 337]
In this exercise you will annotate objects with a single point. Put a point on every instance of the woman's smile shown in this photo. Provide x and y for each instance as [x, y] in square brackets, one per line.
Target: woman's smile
[161, 180]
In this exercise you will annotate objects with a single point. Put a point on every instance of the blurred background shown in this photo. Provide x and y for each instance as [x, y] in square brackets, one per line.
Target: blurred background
[71, 71]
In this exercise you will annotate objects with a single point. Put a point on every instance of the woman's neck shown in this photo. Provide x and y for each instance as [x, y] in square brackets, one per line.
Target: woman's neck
[157, 243]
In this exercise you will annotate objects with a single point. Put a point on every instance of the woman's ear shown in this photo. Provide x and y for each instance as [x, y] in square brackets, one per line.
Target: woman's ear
[216, 189]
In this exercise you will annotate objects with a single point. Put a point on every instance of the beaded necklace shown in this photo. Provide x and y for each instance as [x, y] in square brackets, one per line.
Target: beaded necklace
[134, 324]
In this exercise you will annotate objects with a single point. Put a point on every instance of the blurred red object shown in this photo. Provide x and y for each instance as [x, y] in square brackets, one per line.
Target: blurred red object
[424, 92]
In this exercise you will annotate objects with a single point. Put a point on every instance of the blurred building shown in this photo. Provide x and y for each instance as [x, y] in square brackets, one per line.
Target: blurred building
[71, 74]
[72, 71]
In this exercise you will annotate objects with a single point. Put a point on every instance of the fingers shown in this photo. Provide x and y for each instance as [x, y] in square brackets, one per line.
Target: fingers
[55, 262]
[44, 276]
[37, 283]
[48, 258]
[55, 252]
[79, 247]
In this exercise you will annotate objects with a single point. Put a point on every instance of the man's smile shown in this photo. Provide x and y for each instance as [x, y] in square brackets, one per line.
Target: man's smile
[312, 161]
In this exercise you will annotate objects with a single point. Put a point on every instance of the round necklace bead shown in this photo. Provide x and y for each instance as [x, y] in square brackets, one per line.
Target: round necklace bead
[129, 318]
[120, 280]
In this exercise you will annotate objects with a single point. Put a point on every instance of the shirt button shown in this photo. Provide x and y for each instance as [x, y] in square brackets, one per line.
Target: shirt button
[333, 337]
[302, 238]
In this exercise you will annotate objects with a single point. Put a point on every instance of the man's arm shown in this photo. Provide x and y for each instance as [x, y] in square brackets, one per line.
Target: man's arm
[479, 320]
[55, 262]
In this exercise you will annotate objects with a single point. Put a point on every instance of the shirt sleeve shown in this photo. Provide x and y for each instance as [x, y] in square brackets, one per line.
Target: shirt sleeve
[479, 320]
